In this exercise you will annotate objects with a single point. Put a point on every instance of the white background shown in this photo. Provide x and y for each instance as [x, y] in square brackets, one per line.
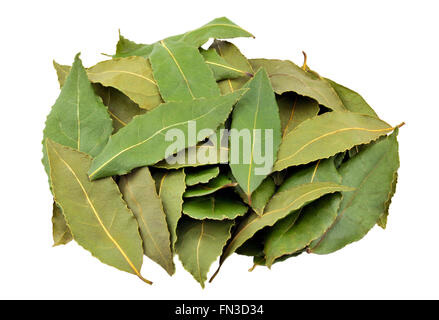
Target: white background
[386, 50]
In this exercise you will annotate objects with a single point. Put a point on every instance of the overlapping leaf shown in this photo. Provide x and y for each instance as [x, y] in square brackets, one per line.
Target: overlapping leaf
[326, 135]
[214, 207]
[139, 191]
[279, 207]
[181, 73]
[285, 76]
[220, 182]
[203, 175]
[200, 243]
[143, 141]
[256, 114]
[95, 212]
[372, 173]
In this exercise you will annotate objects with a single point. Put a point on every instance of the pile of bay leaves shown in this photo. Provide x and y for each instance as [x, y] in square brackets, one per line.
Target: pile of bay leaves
[123, 189]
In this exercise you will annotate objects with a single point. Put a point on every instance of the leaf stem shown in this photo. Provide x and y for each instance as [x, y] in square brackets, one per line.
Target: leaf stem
[305, 58]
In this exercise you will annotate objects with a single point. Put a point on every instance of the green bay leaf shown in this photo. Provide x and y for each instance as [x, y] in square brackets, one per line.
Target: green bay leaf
[220, 67]
[203, 175]
[95, 212]
[181, 73]
[143, 141]
[200, 243]
[260, 196]
[121, 108]
[326, 135]
[213, 151]
[218, 183]
[280, 205]
[133, 76]
[352, 100]
[285, 76]
[61, 232]
[231, 54]
[294, 109]
[139, 192]
[170, 188]
[214, 207]
[256, 112]
[372, 173]
[78, 118]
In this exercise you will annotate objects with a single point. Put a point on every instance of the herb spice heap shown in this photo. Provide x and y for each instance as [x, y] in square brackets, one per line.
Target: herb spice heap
[179, 148]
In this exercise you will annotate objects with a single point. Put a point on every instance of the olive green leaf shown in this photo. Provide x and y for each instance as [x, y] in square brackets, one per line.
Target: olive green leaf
[219, 28]
[213, 151]
[200, 243]
[220, 67]
[95, 212]
[352, 100]
[280, 205]
[382, 221]
[231, 54]
[300, 228]
[181, 73]
[215, 208]
[203, 175]
[372, 173]
[220, 182]
[170, 188]
[128, 48]
[256, 112]
[139, 191]
[143, 141]
[78, 118]
[326, 135]
[61, 232]
[294, 109]
[133, 76]
[260, 196]
[62, 71]
[121, 108]
[285, 76]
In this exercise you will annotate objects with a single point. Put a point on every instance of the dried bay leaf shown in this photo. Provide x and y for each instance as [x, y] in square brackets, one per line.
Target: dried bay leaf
[61, 232]
[200, 243]
[214, 207]
[213, 151]
[142, 142]
[139, 191]
[220, 67]
[78, 118]
[219, 28]
[231, 54]
[95, 212]
[372, 173]
[295, 232]
[280, 205]
[170, 188]
[218, 183]
[121, 108]
[132, 75]
[326, 135]
[203, 175]
[285, 76]
[128, 48]
[294, 109]
[181, 73]
[352, 100]
[260, 196]
[382, 221]
[257, 112]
